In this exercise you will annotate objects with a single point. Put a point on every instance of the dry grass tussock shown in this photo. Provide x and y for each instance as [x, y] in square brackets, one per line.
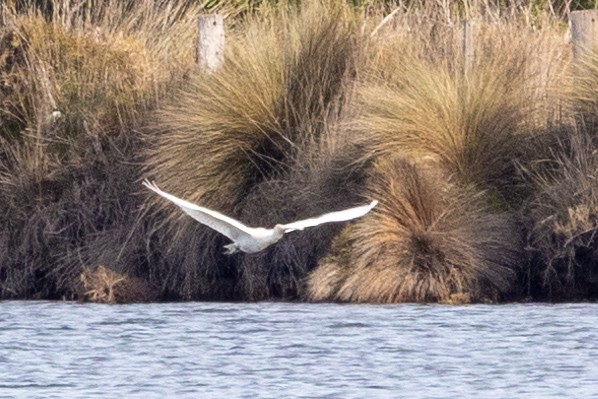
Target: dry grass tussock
[476, 112]
[235, 141]
[427, 241]
[563, 218]
[66, 177]
[106, 286]
[323, 178]
[582, 91]
[562, 213]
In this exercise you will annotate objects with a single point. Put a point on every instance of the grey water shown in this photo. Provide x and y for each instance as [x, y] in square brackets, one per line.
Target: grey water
[292, 350]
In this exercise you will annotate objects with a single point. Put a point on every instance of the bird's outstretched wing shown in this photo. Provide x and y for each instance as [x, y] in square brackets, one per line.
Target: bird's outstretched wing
[223, 224]
[338, 216]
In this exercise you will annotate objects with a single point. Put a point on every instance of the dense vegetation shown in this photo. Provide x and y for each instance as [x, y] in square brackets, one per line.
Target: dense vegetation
[484, 159]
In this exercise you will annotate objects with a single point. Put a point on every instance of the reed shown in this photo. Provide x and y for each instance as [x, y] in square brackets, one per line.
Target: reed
[561, 213]
[581, 92]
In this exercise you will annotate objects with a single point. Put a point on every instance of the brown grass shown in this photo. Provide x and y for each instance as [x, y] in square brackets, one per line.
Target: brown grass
[563, 221]
[427, 241]
[419, 98]
[323, 178]
[582, 89]
[237, 140]
[561, 215]
[302, 119]
[66, 182]
[103, 285]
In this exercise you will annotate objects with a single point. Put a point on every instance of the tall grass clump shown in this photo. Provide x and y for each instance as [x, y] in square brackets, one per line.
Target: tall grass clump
[563, 220]
[581, 92]
[562, 214]
[476, 112]
[460, 122]
[427, 241]
[254, 141]
[76, 84]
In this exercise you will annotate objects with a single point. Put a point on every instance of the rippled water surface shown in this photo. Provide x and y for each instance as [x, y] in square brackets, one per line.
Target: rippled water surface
[282, 350]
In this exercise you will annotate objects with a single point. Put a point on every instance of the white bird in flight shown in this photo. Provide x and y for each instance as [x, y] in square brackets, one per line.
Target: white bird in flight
[254, 239]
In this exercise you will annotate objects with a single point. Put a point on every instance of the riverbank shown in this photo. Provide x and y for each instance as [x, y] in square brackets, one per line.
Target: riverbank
[482, 153]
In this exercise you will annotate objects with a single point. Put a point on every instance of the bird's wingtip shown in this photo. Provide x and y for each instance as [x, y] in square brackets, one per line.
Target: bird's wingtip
[149, 184]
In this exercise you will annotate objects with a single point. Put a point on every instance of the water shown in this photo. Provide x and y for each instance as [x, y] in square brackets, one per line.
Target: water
[282, 350]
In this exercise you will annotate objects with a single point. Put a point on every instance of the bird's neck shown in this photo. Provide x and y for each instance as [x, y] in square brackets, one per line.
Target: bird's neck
[278, 231]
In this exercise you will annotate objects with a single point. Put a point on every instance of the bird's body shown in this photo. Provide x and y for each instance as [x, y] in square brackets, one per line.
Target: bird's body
[258, 240]
[254, 239]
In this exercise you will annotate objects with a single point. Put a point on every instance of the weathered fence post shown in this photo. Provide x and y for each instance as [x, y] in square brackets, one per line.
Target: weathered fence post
[210, 42]
[584, 37]
[584, 32]
[468, 46]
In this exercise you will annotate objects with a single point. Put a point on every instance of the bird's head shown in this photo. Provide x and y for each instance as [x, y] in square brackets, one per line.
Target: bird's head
[279, 230]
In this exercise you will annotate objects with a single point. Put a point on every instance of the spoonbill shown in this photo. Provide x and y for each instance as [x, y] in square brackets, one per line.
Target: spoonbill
[254, 239]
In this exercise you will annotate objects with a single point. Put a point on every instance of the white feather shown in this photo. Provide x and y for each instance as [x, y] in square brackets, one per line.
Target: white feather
[339, 216]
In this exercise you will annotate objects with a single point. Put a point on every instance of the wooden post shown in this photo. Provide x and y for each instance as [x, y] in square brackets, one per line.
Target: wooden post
[210, 42]
[584, 37]
[468, 46]
[584, 32]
